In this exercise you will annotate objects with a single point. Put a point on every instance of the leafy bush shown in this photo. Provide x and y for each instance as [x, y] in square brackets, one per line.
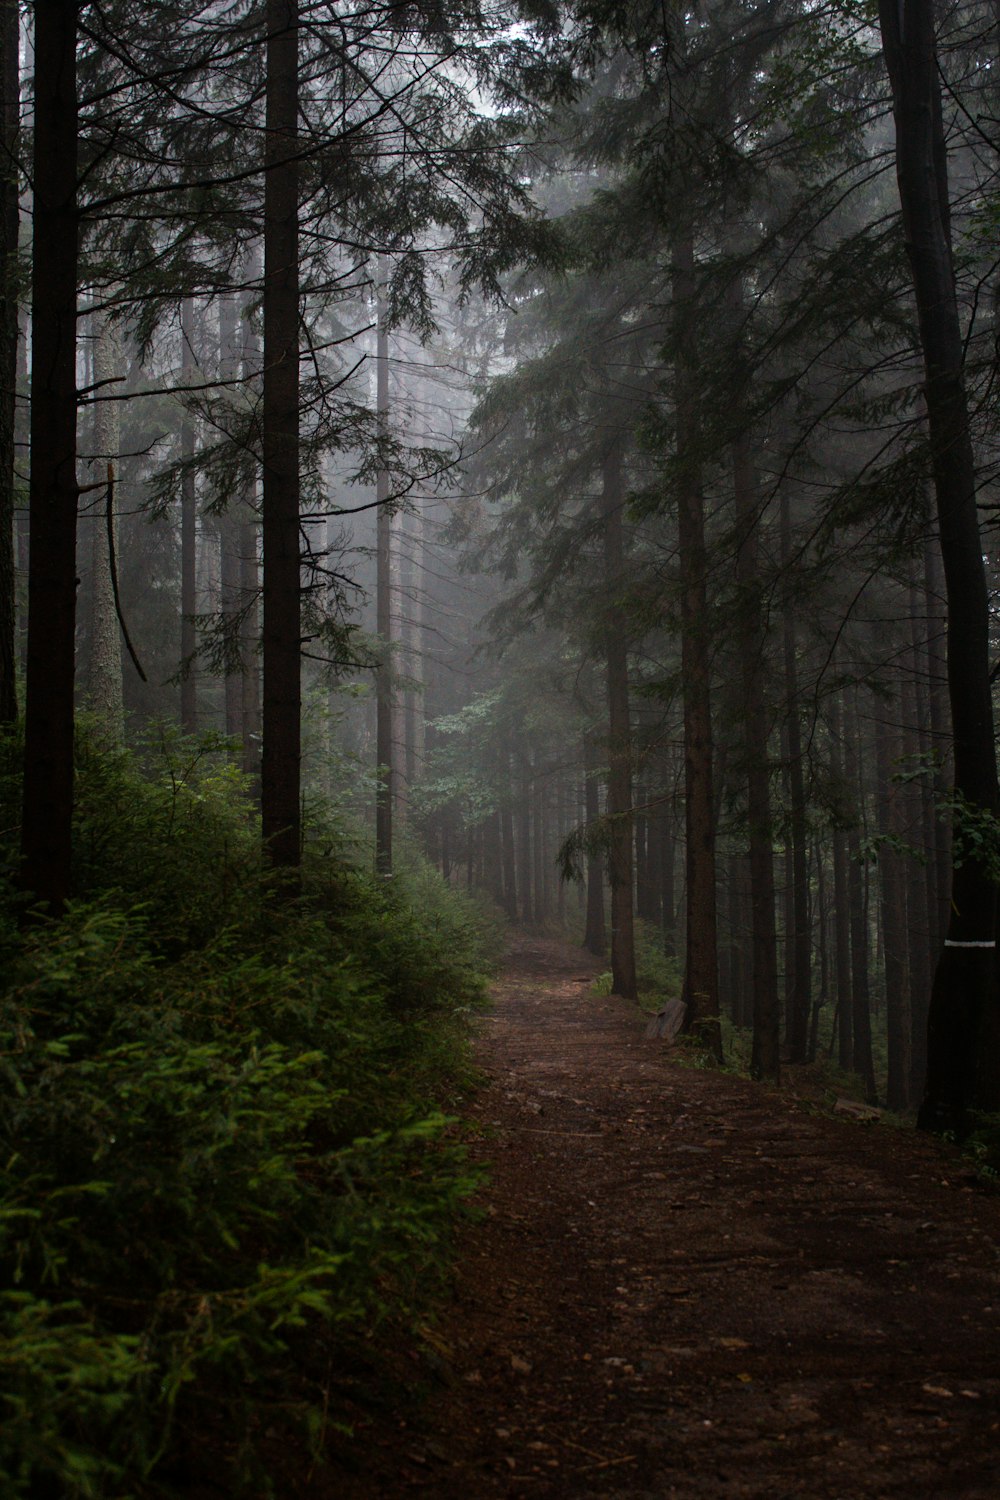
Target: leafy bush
[221, 1131]
[61, 1383]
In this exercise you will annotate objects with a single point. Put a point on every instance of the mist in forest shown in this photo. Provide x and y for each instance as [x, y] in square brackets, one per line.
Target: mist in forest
[538, 459]
[621, 589]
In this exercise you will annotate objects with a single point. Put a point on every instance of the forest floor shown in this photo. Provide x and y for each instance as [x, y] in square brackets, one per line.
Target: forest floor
[688, 1285]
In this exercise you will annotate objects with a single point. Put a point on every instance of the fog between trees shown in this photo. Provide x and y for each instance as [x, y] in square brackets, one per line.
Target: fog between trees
[561, 442]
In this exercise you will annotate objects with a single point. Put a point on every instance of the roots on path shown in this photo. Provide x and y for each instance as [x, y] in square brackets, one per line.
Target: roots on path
[686, 1285]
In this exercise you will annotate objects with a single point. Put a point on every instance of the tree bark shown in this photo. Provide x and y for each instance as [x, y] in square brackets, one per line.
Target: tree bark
[619, 796]
[384, 749]
[46, 835]
[668, 899]
[281, 763]
[799, 1002]
[229, 541]
[766, 1054]
[940, 732]
[594, 937]
[538, 821]
[701, 980]
[861, 1021]
[22, 446]
[507, 835]
[10, 125]
[893, 911]
[105, 678]
[841, 905]
[189, 541]
[915, 796]
[249, 537]
[963, 991]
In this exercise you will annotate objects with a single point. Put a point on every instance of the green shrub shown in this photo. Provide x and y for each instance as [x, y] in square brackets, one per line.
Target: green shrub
[658, 977]
[64, 1390]
[221, 1131]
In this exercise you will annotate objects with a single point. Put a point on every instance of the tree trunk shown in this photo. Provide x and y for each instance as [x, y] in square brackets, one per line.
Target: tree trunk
[384, 749]
[560, 822]
[189, 528]
[507, 836]
[22, 445]
[46, 832]
[524, 841]
[940, 730]
[105, 637]
[10, 125]
[798, 1031]
[229, 541]
[281, 764]
[249, 535]
[841, 905]
[915, 799]
[538, 844]
[668, 898]
[766, 1055]
[645, 888]
[492, 857]
[893, 910]
[964, 992]
[654, 858]
[594, 937]
[701, 979]
[619, 797]
[861, 1022]
[820, 922]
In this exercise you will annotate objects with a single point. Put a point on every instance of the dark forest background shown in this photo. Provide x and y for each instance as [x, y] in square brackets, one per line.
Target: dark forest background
[461, 465]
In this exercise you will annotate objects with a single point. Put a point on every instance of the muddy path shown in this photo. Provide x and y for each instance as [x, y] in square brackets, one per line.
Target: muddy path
[686, 1285]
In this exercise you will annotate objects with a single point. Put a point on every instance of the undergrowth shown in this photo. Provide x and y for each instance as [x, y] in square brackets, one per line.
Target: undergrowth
[658, 976]
[227, 1152]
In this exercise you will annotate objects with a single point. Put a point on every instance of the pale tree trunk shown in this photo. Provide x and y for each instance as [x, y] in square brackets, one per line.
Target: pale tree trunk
[249, 535]
[398, 633]
[105, 678]
[417, 699]
[189, 530]
[594, 937]
[384, 716]
[407, 588]
[766, 1056]
[10, 82]
[507, 832]
[538, 842]
[524, 839]
[962, 1026]
[701, 979]
[282, 631]
[619, 797]
[799, 1000]
[415, 605]
[22, 538]
[229, 539]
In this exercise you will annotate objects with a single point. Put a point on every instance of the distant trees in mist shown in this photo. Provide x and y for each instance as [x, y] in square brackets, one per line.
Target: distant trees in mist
[562, 441]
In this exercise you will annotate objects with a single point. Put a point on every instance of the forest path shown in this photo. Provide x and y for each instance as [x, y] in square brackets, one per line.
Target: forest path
[686, 1285]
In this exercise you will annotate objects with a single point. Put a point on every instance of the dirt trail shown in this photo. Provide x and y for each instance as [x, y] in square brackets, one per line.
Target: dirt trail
[686, 1285]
